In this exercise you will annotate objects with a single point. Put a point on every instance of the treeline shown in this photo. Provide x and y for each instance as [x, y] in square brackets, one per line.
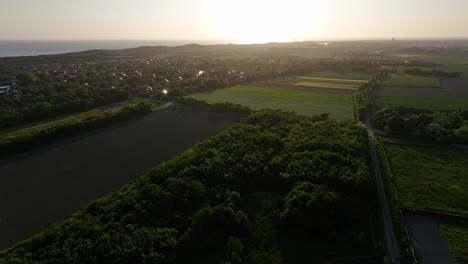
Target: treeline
[23, 141]
[192, 208]
[222, 107]
[365, 98]
[428, 125]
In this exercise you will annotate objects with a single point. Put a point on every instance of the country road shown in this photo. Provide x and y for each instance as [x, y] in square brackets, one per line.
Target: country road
[391, 242]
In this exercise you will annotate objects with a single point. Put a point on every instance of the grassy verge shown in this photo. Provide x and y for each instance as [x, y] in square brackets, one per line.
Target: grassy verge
[339, 106]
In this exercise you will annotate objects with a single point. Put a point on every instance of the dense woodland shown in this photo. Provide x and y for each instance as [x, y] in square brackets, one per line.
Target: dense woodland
[193, 208]
[428, 125]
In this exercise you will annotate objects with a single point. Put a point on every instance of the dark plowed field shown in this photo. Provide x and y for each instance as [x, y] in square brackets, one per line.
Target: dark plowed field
[45, 185]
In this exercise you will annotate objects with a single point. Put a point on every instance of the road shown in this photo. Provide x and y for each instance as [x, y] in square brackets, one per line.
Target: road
[391, 243]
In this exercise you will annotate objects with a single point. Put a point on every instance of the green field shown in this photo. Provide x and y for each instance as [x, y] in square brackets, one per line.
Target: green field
[456, 234]
[328, 85]
[463, 68]
[405, 80]
[430, 178]
[424, 102]
[403, 69]
[331, 80]
[341, 75]
[339, 106]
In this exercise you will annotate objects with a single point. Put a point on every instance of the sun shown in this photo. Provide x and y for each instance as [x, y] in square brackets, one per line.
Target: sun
[262, 21]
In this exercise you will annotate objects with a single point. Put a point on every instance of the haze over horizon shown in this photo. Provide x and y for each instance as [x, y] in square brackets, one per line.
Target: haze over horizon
[242, 21]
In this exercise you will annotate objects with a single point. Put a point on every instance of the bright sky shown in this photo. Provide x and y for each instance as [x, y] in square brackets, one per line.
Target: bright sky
[245, 21]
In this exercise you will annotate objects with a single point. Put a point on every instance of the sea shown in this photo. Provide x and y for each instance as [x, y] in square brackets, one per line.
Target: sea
[13, 48]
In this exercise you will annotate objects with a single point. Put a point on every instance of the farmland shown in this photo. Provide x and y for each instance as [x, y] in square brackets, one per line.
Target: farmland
[341, 75]
[52, 181]
[336, 81]
[424, 102]
[327, 85]
[405, 80]
[425, 175]
[305, 103]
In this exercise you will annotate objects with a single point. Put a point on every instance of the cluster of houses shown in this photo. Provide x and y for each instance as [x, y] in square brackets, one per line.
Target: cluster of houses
[8, 89]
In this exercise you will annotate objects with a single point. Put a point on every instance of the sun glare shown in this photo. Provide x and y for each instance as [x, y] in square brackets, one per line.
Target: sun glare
[261, 21]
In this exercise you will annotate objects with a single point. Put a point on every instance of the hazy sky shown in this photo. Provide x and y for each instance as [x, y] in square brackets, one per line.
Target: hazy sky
[241, 20]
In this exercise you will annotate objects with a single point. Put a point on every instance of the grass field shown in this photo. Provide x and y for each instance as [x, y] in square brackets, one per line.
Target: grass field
[405, 80]
[328, 85]
[463, 68]
[430, 178]
[402, 69]
[425, 102]
[456, 234]
[339, 106]
[332, 80]
[341, 75]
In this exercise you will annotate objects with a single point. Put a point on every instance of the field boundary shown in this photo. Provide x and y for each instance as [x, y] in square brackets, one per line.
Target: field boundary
[425, 145]
[396, 208]
[355, 108]
[434, 213]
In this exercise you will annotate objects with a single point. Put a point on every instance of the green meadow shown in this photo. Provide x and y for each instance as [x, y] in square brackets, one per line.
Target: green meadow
[339, 106]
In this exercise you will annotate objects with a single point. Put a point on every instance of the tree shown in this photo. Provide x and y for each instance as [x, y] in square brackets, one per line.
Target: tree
[309, 207]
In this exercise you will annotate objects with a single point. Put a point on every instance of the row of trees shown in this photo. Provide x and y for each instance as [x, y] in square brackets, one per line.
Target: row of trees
[429, 125]
[192, 208]
[365, 97]
[33, 138]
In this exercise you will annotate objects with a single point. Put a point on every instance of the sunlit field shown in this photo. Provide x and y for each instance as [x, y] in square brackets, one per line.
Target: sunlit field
[339, 106]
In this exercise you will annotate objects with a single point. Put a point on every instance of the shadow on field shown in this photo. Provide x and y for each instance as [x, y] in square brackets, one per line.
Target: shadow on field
[428, 240]
[47, 184]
